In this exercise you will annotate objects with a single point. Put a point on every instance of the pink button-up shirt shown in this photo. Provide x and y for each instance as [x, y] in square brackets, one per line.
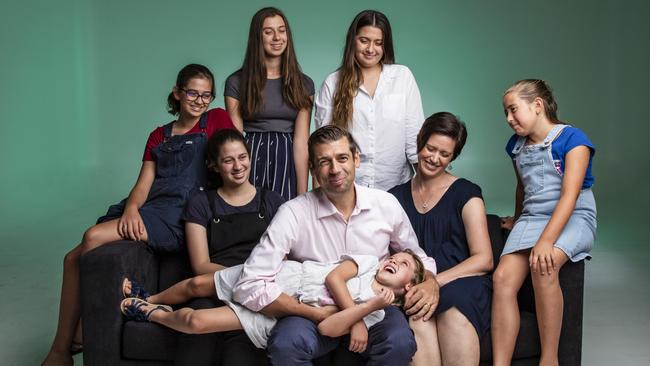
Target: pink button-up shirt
[309, 227]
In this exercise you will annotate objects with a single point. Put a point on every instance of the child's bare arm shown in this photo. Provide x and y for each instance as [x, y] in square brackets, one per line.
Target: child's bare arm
[340, 323]
[336, 284]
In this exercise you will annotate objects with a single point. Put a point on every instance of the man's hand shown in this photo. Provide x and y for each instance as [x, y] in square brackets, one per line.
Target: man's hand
[422, 299]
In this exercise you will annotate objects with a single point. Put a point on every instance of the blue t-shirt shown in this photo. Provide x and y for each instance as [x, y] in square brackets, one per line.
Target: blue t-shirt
[569, 138]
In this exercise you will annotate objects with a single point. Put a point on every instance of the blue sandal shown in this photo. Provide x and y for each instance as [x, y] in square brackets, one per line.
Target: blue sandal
[137, 291]
[133, 309]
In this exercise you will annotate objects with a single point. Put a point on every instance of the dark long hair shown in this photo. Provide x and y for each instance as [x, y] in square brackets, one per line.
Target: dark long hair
[212, 151]
[186, 74]
[253, 71]
[350, 72]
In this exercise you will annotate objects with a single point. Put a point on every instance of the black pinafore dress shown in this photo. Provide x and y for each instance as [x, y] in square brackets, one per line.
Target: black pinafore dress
[232, 237]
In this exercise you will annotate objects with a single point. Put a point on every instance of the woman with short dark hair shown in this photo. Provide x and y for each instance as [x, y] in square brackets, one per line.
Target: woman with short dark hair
[448, 216]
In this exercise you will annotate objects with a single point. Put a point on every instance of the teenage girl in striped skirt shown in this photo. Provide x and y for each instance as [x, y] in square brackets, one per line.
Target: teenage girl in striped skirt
[270, 99]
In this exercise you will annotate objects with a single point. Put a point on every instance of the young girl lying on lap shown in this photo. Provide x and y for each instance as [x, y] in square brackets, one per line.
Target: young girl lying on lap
[372, 285]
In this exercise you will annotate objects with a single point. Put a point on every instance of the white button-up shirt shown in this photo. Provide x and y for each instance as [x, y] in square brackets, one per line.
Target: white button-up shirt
[385, 126]
[309, 227]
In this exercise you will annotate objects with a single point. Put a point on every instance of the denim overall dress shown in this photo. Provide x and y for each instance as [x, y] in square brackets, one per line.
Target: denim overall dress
[180, 168]
[542, 183]
[232, 237]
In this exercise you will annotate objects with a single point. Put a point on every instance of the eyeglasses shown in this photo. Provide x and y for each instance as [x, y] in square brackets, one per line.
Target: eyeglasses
[192, 95]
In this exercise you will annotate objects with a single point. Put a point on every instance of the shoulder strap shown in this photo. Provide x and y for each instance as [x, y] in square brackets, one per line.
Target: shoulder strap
[521, 141]
[553, 134]
[262, 208]
[203, 122]
[167, 130]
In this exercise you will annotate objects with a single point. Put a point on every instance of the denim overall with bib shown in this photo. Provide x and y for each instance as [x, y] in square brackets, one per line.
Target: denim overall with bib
[542, 182]
[180, 168]
[232, 237]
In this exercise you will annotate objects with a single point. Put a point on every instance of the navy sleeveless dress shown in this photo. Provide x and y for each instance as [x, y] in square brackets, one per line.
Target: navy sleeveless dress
[441, 233]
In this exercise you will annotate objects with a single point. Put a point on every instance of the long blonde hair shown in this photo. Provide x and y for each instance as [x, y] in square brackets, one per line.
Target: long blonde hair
[350, 72]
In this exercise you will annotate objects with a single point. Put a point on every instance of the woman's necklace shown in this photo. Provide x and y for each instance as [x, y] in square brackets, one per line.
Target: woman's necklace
[420, 191]
[424, 203]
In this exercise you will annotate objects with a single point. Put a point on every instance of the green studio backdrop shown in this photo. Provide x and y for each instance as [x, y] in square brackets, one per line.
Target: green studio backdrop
[84, 82]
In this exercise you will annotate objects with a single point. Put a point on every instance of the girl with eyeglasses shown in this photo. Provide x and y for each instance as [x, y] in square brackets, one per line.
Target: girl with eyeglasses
[270, 100]
[172, 166]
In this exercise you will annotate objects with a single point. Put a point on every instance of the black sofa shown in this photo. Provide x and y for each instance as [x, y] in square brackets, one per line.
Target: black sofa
[109, 340]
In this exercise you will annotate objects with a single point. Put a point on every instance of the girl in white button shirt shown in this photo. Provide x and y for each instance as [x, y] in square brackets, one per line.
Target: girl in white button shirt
[377, 100]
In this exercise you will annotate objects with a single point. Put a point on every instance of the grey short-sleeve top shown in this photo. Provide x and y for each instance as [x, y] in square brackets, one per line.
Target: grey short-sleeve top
[275, 115]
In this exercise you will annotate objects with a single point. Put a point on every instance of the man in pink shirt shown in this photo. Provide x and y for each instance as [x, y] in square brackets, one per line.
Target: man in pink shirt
[335, 219]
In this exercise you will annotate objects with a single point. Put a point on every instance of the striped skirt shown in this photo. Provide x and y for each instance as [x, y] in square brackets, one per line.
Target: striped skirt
[272, 165]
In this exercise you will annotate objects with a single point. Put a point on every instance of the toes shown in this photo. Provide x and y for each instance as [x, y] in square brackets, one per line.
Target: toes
[126, 287]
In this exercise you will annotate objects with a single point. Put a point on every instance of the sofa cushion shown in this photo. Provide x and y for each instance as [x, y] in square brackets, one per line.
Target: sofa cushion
[148, 341]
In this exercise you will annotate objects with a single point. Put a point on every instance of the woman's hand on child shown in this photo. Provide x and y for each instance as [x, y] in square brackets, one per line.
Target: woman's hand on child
[507, 222]
[358, 337]
[421, 300]
[130, 225]
[541, 258]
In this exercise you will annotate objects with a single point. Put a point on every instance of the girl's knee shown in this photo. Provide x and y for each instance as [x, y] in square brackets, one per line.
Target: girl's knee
[71, 259]
[545, 281]
[502, 280]
[195, 324]
[200, 286]
[92, 238]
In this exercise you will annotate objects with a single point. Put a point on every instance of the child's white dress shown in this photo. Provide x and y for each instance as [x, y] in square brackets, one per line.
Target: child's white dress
[304, 281]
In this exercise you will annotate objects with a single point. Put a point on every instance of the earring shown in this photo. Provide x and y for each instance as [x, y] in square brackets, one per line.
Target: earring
[450, 167]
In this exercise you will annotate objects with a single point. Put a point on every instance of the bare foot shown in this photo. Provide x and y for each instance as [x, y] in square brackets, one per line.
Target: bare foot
[129, 291]
[58, 359]
[126, 287]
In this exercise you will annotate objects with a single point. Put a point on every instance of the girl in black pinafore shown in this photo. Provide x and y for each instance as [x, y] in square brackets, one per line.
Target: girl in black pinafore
[223, 224]
[172, 167]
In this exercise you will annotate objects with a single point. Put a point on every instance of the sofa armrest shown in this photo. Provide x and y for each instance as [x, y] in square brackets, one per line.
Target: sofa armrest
[101, 274]
[572, 282]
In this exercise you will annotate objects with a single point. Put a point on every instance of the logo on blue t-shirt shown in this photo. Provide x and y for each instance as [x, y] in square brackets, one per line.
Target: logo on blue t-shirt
[558, 167]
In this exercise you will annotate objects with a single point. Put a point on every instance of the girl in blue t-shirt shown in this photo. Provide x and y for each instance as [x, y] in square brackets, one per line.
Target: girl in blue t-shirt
[555, 216]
